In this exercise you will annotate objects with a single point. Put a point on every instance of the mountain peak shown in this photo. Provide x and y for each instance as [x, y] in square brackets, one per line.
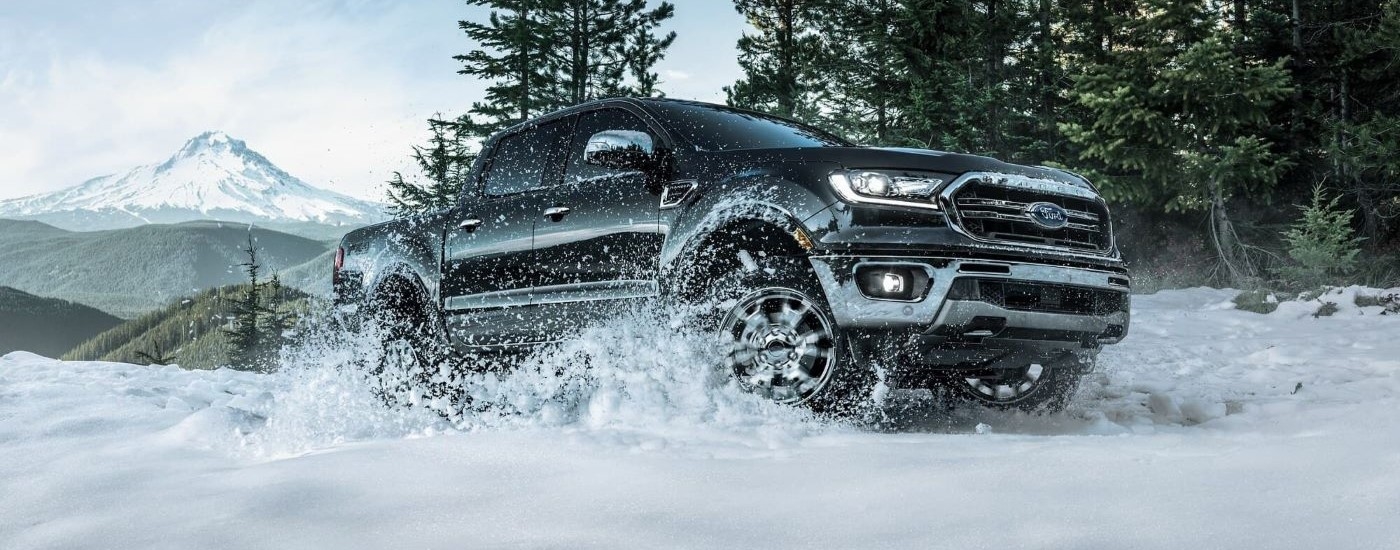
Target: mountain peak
[213, 140]
[213, 176]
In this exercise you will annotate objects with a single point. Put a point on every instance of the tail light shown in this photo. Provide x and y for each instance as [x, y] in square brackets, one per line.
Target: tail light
[339, 264]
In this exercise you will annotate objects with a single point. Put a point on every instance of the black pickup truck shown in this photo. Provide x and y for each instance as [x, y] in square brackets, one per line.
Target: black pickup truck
[825, 262]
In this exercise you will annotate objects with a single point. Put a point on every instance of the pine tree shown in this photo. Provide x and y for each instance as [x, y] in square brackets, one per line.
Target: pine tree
[1341, 119]
[543, 55]
[601, 42]
[780, 61]
[442, 165]
[278, 320]
[248, 337]
[960, 97]
[1364, 124]
[643, 49]
[1177, 119]
[511, 48]
[154, 354]
[862, 61]
[1321, 243]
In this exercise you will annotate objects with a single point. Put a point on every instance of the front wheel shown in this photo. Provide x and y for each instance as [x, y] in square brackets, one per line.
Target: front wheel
[780, 341]
[1040, 387]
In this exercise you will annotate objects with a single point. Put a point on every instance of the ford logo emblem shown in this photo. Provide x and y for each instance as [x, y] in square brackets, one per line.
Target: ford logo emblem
[1048, 215]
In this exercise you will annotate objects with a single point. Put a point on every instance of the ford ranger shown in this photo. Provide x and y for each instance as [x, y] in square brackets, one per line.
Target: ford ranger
[829, 266]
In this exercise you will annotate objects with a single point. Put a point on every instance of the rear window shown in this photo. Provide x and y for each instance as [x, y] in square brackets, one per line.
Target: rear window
[521, 161]
[713, 128]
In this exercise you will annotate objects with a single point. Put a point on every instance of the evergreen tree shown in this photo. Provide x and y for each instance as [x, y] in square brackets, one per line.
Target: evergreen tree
[1341, 117]
[543, 55]
[944, 74]
[279, 319]
[643, 49]
[1177, 117]
[249, 338]
[1321, 243]
[601, 42]
[154, 354]
[865, 70]
[442, 165]
[781, 60]
[1364, 124]
[511, 48]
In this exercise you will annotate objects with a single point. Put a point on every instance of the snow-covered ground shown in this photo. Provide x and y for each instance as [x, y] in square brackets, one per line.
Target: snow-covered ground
[1207, 428]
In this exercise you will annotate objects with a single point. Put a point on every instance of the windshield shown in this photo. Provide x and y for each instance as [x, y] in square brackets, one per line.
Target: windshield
[714, 128]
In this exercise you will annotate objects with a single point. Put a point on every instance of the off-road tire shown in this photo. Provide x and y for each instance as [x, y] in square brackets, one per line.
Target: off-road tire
[412, 366]
[846, 391]
[1051, 392]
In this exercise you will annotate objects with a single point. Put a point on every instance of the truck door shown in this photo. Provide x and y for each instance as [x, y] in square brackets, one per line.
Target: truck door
[488, 272]
[597, 237]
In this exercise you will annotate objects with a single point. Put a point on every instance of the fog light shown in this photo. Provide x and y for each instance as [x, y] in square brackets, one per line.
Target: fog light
[892, 283]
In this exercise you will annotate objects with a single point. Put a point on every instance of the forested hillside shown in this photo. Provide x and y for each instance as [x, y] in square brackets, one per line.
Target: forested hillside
[46, 326]
[131, 271]
[193, 333]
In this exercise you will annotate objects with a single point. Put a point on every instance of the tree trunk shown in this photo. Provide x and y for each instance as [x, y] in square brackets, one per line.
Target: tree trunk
[1044, 80]
[1297, 65]
[524, 62]
[1297, 29]
[992, 79]
[1238, 269]
[787, 80]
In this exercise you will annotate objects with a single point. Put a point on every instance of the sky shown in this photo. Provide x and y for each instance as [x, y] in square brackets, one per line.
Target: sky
[332, 91]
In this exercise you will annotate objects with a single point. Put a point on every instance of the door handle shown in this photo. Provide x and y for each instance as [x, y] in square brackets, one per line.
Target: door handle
[470, 224]
[556, 212]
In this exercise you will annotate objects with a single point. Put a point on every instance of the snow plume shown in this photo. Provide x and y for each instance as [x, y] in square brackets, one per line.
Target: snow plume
[636, 373]
[639, 379]
[325, 396]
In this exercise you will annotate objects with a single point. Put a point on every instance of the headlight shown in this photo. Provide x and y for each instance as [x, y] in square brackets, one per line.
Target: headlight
[887, 187]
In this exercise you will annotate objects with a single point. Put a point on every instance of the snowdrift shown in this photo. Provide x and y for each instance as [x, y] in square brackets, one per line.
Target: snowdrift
[1208, 426]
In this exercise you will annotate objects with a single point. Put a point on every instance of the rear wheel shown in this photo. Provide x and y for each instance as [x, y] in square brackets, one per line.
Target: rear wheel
[412, 367]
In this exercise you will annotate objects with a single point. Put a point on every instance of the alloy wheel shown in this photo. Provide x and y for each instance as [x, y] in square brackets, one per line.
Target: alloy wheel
[1009, 387]
[780, 344]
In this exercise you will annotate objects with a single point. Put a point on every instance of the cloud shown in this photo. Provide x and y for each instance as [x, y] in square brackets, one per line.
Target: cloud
[334, 93]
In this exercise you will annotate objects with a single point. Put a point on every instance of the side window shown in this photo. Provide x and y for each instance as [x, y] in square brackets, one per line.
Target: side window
[593, 122]
[522, 161]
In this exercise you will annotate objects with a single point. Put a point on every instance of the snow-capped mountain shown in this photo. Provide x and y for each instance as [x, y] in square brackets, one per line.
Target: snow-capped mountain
[213, 176]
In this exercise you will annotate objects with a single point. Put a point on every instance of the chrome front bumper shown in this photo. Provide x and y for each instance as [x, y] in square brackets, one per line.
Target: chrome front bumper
[938, 319]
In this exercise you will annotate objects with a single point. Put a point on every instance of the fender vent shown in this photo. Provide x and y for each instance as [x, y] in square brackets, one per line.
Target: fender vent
[676, 192]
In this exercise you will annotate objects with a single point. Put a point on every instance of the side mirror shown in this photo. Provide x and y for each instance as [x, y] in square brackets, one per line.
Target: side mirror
[623, 149]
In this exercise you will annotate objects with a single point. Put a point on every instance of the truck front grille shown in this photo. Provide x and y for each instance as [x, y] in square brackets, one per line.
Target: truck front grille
[1039, 297]
[999, 213]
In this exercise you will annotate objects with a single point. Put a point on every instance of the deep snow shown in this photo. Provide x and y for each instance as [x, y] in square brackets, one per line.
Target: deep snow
[1208, 427]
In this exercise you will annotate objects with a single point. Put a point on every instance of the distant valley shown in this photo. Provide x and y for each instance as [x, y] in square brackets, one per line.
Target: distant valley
[127, 272]
[131, 243]
[47, 326]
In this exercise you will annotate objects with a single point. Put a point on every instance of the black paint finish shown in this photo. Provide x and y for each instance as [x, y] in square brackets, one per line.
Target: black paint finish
[543, 241]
